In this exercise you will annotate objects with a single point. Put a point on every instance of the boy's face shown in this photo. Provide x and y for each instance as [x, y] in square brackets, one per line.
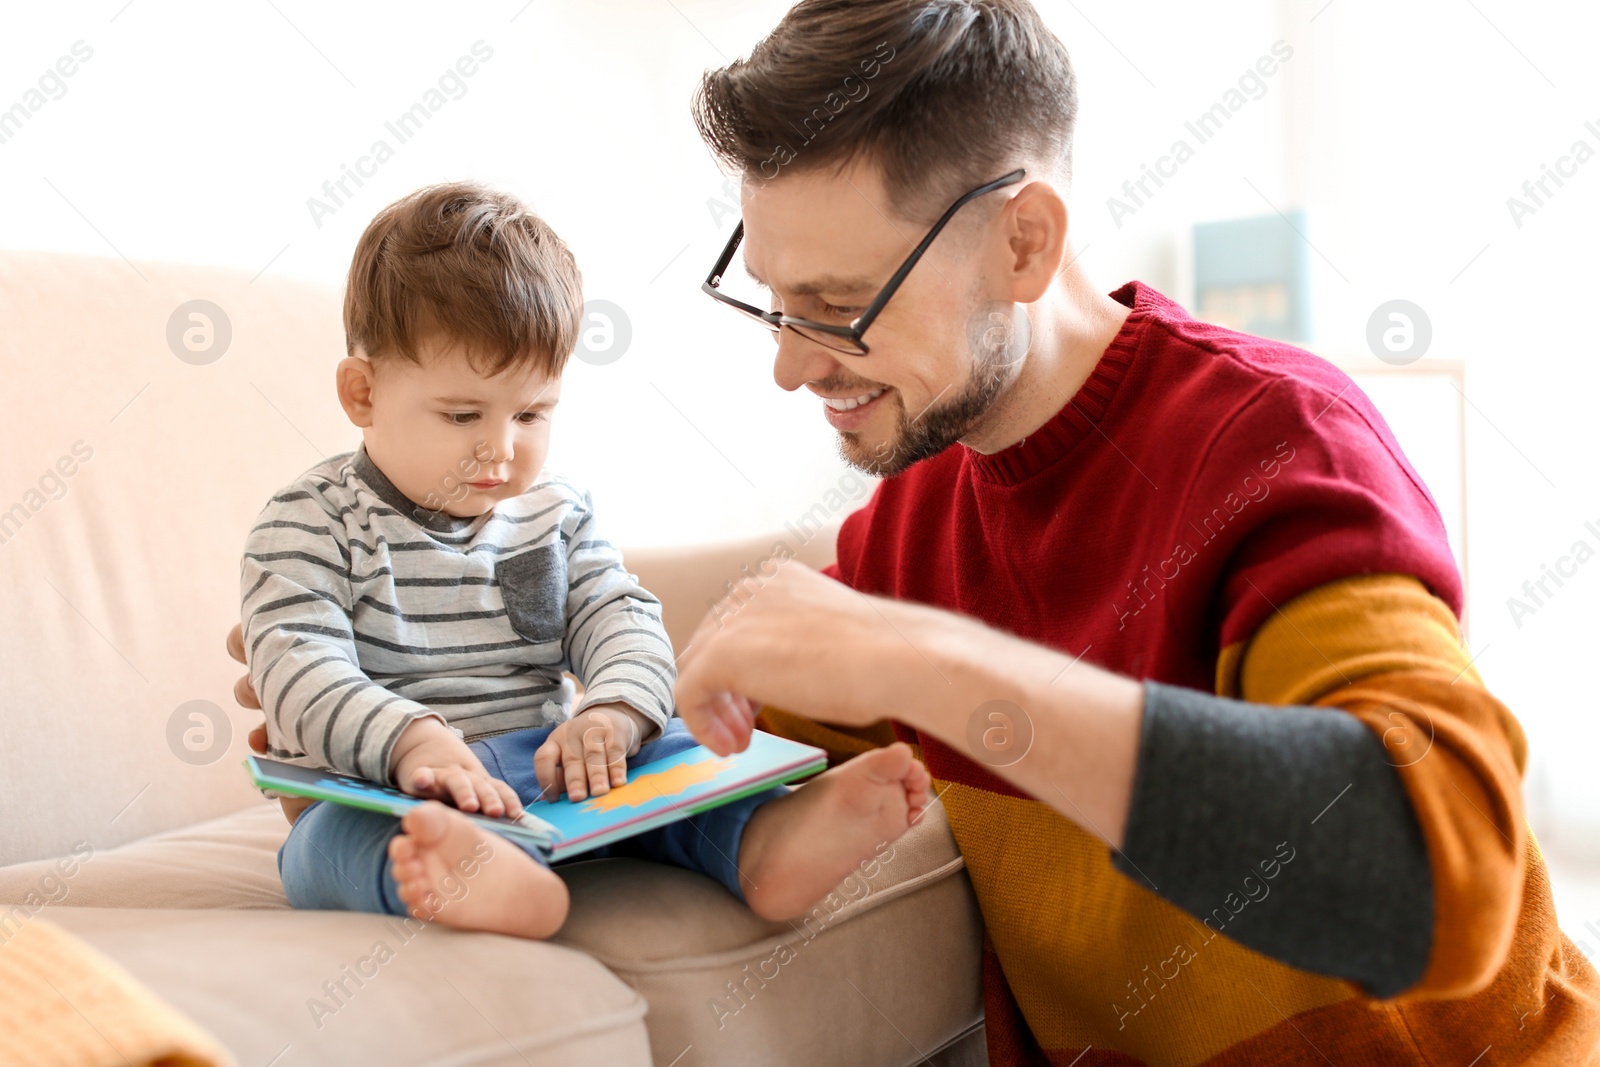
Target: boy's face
[447, 436]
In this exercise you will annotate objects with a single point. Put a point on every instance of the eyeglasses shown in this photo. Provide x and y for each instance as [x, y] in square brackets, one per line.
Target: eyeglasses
[846, 339]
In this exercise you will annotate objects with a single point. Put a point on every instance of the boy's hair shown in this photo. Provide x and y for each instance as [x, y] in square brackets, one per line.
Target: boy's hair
[943, 95]
[473, 265]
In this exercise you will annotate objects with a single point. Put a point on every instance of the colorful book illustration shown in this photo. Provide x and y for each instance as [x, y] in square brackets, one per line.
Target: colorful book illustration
[656, 794]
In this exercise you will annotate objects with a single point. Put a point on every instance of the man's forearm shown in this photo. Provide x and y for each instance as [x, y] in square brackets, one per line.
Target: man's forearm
[1080, 723]
[1195, 791]
[817, 648]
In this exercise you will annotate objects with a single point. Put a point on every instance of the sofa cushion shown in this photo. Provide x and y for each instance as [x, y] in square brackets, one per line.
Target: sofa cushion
[891, 959]
[885, 971]
[339, 988]
[227, 862]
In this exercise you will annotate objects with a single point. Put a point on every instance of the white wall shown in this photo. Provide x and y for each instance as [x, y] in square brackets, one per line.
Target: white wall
[197, 132]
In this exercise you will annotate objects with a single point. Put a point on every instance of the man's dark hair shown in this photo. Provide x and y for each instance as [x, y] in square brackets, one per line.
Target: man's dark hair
[943, 95]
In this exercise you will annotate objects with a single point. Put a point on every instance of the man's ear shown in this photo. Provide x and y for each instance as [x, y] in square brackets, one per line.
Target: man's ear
[355, 381]
[1036, 233]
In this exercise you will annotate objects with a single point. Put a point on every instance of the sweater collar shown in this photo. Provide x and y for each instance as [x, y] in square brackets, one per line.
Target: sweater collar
[436, 521]
[1081, 415]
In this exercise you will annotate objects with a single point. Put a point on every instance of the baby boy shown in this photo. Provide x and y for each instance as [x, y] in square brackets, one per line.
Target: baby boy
[411, 610]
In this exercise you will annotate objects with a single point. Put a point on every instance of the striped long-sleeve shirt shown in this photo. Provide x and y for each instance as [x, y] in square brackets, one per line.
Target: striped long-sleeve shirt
[363, 611]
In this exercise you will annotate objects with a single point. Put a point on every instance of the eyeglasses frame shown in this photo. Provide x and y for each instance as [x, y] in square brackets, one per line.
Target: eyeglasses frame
[852, 332]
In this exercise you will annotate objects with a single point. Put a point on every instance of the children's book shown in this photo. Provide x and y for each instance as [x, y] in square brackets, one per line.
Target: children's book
[657, 793]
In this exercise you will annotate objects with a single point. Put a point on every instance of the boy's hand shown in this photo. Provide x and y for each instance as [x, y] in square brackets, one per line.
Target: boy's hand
[429, 760]
[588, 753]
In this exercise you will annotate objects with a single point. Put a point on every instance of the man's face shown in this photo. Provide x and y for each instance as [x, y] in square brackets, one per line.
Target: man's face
[824, 244]
[453, 439]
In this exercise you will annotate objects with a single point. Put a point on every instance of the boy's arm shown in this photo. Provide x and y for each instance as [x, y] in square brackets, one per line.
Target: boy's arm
[614, 641]
[321, 708]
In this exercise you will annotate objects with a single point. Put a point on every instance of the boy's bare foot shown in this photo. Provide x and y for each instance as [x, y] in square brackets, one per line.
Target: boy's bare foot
[799, 847]
[452, 871]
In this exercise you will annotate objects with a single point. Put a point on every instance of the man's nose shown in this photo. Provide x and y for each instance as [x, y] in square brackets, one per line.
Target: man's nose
[800, 361]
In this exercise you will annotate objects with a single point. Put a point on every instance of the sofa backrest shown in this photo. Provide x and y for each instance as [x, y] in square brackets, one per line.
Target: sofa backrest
[136, 448]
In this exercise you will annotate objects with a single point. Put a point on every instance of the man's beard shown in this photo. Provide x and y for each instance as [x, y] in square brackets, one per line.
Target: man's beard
[940, 425]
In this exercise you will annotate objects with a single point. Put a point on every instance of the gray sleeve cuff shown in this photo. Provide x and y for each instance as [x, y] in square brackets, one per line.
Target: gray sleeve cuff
[1286, 828]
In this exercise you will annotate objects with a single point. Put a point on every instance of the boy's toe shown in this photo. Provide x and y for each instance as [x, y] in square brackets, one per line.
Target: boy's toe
[428, 822]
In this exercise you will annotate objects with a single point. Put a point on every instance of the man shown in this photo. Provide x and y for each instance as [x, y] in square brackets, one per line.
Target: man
[1300, 839]
[1170, 618]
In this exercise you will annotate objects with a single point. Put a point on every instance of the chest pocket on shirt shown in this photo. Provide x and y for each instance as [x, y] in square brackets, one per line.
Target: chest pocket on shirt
[534, 587]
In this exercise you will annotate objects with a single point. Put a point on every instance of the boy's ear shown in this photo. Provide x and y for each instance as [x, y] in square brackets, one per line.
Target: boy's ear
[354, 377]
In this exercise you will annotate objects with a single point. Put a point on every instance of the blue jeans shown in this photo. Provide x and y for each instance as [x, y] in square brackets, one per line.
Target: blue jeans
[337, 857]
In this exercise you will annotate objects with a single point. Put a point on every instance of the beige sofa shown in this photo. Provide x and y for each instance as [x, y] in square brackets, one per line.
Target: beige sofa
[130, 478]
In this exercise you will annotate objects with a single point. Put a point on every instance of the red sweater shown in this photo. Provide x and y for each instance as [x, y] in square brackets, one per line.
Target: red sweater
[1195, 463]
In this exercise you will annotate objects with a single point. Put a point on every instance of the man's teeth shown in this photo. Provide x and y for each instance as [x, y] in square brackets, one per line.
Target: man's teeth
[850, 402]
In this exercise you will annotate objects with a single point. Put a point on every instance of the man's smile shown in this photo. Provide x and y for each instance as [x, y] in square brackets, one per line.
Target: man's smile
[846, 403]
[849, 411]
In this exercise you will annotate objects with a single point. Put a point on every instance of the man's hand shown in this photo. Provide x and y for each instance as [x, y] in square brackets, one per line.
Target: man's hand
[587, 754]
[429, 760]
[790, 636]
[243, 691]
[245, 694]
